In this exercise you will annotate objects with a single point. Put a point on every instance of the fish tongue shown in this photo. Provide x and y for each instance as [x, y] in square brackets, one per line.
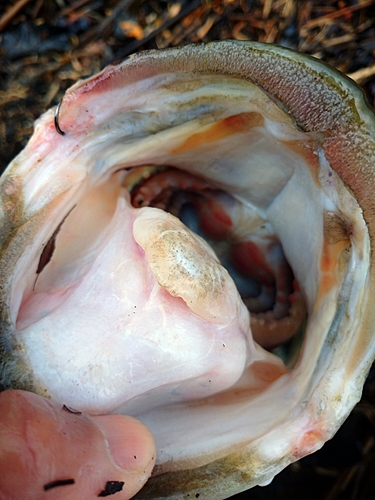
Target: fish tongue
[186, 267]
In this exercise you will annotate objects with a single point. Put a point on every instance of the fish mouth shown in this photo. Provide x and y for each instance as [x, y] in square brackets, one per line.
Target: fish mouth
[262, 195]
[243, 240]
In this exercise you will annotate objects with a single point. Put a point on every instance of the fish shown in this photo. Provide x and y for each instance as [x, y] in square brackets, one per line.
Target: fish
[188, 238]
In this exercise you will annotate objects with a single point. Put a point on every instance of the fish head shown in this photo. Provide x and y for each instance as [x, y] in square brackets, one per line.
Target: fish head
[190, 241]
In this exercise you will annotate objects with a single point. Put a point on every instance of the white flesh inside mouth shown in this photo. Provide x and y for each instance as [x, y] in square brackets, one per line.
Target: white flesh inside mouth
[119, 319]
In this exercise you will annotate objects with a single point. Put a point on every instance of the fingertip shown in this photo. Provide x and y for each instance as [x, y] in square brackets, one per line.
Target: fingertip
[131, 444]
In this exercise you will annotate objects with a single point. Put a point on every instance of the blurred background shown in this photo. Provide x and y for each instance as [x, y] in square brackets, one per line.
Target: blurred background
[47, 45]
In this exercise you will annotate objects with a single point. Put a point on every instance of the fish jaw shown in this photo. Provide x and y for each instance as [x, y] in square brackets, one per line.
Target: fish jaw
[331, 128]
[207, 351]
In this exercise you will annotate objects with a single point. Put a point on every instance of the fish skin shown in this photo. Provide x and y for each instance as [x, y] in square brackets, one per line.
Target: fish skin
[322, 102]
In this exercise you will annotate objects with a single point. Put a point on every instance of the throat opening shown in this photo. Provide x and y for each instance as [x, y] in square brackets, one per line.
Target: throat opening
[242, 238]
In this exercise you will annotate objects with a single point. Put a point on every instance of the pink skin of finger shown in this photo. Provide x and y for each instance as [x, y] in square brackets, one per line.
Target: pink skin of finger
[51, 452]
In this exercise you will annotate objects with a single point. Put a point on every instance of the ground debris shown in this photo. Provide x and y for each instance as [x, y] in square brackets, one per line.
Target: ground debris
[48, 45]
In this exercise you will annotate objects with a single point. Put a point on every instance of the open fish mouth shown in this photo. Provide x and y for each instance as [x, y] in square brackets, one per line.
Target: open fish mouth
[197, 251]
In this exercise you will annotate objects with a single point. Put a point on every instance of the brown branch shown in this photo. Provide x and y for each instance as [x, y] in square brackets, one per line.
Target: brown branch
[74, 6]
[363, 74]
[98, 30]
[11, 12]
[337, 13]
[133, 47]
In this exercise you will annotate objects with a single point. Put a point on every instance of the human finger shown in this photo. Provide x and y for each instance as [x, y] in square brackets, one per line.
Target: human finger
[49, 452]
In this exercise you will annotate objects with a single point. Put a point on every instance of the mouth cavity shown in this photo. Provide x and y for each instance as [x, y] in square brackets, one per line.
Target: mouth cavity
[244, 242]
[267, 206]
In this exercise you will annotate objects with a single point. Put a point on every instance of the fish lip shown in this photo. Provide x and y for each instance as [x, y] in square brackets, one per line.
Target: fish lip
[359, 186]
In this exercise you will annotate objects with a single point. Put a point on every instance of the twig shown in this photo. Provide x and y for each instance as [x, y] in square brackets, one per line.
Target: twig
[342, 482]
[205, 28]
[361, 75]
[267, 7]
[337, 13]
[338, 40]
[368, 457]
[133, 47]
[11, 12]
[36, 9]
[76, 5]
[98, 30]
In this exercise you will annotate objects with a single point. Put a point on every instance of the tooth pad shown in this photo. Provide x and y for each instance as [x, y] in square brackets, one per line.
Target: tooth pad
[183, 264]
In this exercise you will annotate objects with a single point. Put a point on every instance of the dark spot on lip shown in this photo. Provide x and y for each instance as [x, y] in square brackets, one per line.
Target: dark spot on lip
[58, 482]
[71, 410]
[49, 248]
[47, 251]
[111, 488]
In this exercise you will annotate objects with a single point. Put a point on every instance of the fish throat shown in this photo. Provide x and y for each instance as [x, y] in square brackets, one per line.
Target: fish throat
[243, 240]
